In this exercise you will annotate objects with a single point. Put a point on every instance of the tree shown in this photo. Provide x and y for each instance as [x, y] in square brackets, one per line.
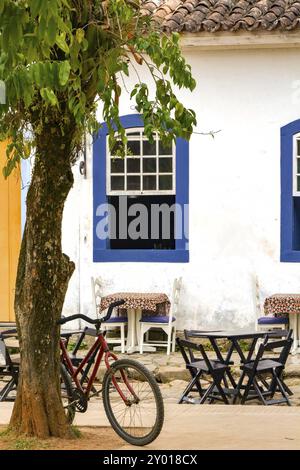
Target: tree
[58, 59]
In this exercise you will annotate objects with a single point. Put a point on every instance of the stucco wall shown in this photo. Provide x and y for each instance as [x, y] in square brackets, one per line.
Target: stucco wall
[234, 195]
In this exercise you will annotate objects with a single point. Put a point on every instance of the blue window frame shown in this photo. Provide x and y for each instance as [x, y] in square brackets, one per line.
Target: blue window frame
[290, 194]
[101, 249]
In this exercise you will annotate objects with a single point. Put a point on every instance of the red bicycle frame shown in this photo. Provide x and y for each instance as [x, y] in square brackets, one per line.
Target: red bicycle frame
[103, 350]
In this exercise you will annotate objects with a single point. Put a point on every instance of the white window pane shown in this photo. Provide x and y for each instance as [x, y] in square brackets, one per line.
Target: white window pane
[133, 165]
[117, 183]
[165, 165]
[133, 147]
[133, 183]
[149, 182]
[148, 148]
[165, 182]
[117, 165]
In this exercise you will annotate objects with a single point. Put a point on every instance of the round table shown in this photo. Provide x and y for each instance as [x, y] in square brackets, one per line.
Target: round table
[135, 303]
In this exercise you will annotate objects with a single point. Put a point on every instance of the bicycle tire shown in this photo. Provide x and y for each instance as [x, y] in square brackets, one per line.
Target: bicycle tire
[107, 387]
[67, 389]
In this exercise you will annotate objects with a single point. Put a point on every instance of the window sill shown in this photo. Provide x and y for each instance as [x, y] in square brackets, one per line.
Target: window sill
[146, 256]
[292, 256]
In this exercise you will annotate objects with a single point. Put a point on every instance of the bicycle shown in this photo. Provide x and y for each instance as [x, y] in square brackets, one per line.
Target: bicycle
[131, 397]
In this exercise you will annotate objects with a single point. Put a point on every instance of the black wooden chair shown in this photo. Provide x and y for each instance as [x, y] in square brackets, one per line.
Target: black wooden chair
[261, 368]
[198, 367]
[9, 368]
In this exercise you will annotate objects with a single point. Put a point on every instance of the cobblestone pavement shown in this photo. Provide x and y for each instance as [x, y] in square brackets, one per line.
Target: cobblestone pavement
[172, 376]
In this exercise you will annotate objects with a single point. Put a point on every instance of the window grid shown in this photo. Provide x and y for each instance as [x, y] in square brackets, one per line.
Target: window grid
[137, 135]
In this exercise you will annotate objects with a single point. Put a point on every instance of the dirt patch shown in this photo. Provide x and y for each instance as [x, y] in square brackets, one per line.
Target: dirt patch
[88, 438]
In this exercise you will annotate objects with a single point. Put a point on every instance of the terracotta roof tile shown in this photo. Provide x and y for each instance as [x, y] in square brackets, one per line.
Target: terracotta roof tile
[223, 15]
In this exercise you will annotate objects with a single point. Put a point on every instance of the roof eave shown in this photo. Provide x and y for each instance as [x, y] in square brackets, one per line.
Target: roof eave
[240, 40]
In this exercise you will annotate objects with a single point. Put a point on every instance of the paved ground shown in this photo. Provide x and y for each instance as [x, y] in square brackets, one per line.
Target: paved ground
[212, 427]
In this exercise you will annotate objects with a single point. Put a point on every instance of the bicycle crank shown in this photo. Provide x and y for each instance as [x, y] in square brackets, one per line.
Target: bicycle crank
[79, 400]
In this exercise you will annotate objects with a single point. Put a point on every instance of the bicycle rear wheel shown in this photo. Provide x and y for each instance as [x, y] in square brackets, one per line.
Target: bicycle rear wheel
[133, 402]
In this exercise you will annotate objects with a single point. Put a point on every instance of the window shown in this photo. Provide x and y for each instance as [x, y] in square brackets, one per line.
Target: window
[290, 192]
[148, 168]
[141, 200]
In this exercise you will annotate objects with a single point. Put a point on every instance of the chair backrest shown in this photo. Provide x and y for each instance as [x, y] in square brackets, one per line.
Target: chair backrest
[187, 347]
[269, 345]
[177, 284]
[97, 294]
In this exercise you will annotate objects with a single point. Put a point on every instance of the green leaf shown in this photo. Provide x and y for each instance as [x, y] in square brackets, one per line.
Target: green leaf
[80, 35]
[64, 72]
[62, 44]
[52, 31]
[36, 6]
[49, 96]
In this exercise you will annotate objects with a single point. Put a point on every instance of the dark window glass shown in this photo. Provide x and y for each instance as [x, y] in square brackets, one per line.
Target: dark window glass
[298, 147]
[165, 182]
[117, 183]
[149, 165]
[165, 165]
[148, 148]
[133, 165]
[133, 183]
[132, 133]
[298, 165]
[165, 150]
[149, 182]
[117, 165]
[134, 147]
[159, 241]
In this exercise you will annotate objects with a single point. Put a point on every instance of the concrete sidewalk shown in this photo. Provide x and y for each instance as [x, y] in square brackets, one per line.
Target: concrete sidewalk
[211, 427]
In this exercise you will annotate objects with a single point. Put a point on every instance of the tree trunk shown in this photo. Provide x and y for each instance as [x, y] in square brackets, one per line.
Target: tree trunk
[42, 280]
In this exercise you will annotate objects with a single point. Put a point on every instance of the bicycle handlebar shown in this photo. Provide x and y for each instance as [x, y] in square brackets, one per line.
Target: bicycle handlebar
[113, 305]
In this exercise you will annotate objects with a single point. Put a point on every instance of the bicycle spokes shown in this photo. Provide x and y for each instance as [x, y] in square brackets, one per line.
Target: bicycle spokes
[132, 401]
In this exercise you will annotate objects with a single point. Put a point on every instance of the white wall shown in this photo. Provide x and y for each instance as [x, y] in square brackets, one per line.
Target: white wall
[234, 195]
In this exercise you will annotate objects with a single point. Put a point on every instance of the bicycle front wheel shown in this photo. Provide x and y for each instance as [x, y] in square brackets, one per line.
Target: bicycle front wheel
[133, 402]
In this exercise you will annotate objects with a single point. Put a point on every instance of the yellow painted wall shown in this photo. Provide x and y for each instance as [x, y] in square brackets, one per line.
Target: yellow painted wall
[10, 237]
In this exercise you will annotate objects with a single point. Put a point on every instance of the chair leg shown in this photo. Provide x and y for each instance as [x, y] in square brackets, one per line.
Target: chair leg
[247, 389]
[258, 391]
[174, 339]
[217, 381]
[281, 388]
[122, 339]
[207, 393]
[169, 342]
[142, 339]
[188, 388]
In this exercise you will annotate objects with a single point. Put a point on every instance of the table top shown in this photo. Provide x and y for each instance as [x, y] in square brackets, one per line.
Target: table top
[282, 304]
[134, 300]
[230, 334]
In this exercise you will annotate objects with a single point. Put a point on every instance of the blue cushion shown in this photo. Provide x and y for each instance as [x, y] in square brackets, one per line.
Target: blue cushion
[117, 320]
[273, 321]
[156, 319]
